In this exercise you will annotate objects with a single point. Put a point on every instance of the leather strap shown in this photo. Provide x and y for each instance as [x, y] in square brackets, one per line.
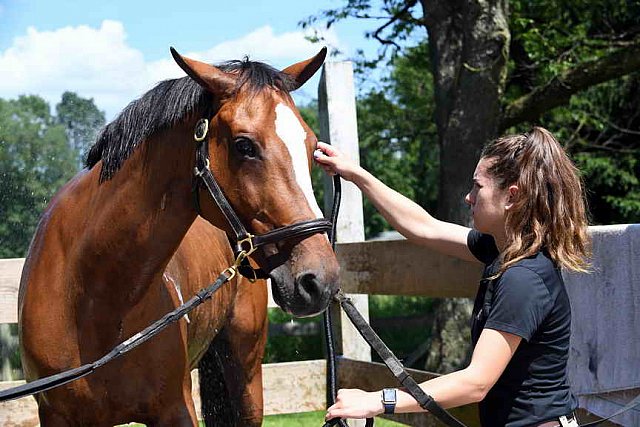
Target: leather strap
[204, 174]
[297, 230]
[150, 331]
[397, 369]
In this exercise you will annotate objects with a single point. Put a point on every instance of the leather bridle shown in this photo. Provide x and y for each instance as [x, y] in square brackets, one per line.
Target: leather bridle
[242, 242]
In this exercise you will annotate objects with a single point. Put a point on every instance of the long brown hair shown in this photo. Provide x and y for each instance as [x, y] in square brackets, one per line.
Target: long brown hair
[549, 211]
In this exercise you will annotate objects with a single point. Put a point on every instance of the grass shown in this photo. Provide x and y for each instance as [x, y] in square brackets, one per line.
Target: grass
[313, 419]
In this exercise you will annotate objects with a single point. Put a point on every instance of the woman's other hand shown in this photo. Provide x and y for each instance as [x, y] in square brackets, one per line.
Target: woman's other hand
[354, 403]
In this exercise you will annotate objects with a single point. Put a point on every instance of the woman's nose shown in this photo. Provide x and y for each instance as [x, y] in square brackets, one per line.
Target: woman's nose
[467, 199]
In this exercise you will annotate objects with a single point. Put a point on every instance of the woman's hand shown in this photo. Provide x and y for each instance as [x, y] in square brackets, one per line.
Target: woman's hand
[333, 161]
[354, 403]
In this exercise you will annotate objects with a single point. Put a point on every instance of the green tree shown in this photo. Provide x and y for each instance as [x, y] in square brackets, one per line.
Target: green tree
[499, 66]
[600, 129]
[35, 160]
[598, 125]
[393, 147]
[82, 120]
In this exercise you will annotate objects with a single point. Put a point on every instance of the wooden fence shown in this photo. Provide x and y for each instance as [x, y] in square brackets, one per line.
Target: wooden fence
[380, 267]
[385, 267]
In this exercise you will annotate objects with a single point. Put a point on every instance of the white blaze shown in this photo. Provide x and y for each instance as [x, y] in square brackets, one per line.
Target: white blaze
[290, 130]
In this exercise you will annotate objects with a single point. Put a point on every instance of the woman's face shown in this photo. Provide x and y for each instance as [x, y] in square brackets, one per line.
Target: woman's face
[488, 202]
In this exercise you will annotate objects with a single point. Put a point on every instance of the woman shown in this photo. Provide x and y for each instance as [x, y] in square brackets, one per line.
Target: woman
[529, 220]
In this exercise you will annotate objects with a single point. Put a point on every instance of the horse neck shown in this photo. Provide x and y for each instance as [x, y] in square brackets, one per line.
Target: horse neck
[145, 210]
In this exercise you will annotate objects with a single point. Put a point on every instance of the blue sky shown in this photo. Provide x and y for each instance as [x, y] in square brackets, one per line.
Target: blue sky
[115, 50]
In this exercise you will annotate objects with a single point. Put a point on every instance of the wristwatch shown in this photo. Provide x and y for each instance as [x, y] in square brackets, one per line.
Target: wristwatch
[389, 400]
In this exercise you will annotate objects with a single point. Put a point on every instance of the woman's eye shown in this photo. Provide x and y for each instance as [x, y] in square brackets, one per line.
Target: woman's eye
[245, 147]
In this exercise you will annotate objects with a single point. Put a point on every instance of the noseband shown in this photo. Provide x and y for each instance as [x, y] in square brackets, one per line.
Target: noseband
[243, 243]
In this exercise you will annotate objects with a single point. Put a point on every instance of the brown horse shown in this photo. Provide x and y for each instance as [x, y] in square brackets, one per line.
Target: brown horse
[121, 244]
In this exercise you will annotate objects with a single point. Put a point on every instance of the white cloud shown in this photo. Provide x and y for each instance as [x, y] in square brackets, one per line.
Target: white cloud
[263, 45]
[98, 62]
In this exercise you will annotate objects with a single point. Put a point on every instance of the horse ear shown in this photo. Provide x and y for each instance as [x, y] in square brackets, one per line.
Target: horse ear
[302, 71]
[211, 78]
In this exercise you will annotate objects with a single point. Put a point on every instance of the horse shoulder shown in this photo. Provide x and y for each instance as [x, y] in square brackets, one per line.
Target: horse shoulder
[202, 255]
[46, 274]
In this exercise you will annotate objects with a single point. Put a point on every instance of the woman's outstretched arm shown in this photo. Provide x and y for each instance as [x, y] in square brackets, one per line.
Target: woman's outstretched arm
[406, 216]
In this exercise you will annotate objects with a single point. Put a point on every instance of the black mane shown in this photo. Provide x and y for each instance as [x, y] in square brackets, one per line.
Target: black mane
[167, 104]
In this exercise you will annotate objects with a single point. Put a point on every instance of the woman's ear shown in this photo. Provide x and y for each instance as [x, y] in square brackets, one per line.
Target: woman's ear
[513, 194]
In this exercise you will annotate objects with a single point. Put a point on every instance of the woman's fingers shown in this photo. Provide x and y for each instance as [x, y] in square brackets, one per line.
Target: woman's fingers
[350, 412]
[324, 152]
[327, 149]
[333, 161]
[353, 403]
[322, 156]
[326, 163]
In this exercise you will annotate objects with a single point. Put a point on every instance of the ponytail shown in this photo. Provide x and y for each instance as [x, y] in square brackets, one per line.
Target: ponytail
[549, 212]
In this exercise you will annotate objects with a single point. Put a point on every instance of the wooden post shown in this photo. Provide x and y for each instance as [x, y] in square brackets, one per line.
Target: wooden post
[338, 126]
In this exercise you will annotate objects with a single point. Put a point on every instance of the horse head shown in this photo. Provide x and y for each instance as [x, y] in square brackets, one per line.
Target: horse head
[260, 152]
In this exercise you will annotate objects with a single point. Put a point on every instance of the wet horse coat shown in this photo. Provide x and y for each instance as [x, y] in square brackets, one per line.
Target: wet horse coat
[121, 244]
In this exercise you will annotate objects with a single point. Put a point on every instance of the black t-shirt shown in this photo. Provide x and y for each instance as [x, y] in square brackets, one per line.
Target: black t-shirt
[529, 300]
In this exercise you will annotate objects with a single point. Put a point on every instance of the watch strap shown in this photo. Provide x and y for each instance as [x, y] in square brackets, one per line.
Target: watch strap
[389, 400]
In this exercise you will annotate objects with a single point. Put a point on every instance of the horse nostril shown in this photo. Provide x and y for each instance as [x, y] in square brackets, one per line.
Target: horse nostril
[310, 286]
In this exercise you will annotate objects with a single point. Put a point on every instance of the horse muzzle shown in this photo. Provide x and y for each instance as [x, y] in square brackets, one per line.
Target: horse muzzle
[305, 294]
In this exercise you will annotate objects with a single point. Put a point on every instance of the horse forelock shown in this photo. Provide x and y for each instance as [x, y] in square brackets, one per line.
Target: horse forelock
[168, 104]
[257, 76]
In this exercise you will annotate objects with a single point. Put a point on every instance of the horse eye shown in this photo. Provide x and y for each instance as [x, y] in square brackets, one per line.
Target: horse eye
[245, 147]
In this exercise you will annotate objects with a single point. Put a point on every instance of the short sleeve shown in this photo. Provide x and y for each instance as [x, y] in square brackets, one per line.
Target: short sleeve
[482, 246]
[521, 302]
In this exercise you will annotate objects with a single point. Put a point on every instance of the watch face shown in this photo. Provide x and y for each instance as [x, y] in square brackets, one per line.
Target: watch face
[389, 395]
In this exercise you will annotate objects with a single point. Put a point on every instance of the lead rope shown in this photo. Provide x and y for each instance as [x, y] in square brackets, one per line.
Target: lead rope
[365, 330]
[150, 331]
[331, 386]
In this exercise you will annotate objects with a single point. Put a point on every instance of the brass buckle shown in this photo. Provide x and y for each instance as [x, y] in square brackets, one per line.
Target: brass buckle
[241, 256]
[230, 272]
[244, 253]
[201, 130]
[248, 239]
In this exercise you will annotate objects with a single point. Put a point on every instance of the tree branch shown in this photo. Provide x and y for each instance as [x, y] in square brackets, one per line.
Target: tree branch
[402, 12]
[558, 91]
